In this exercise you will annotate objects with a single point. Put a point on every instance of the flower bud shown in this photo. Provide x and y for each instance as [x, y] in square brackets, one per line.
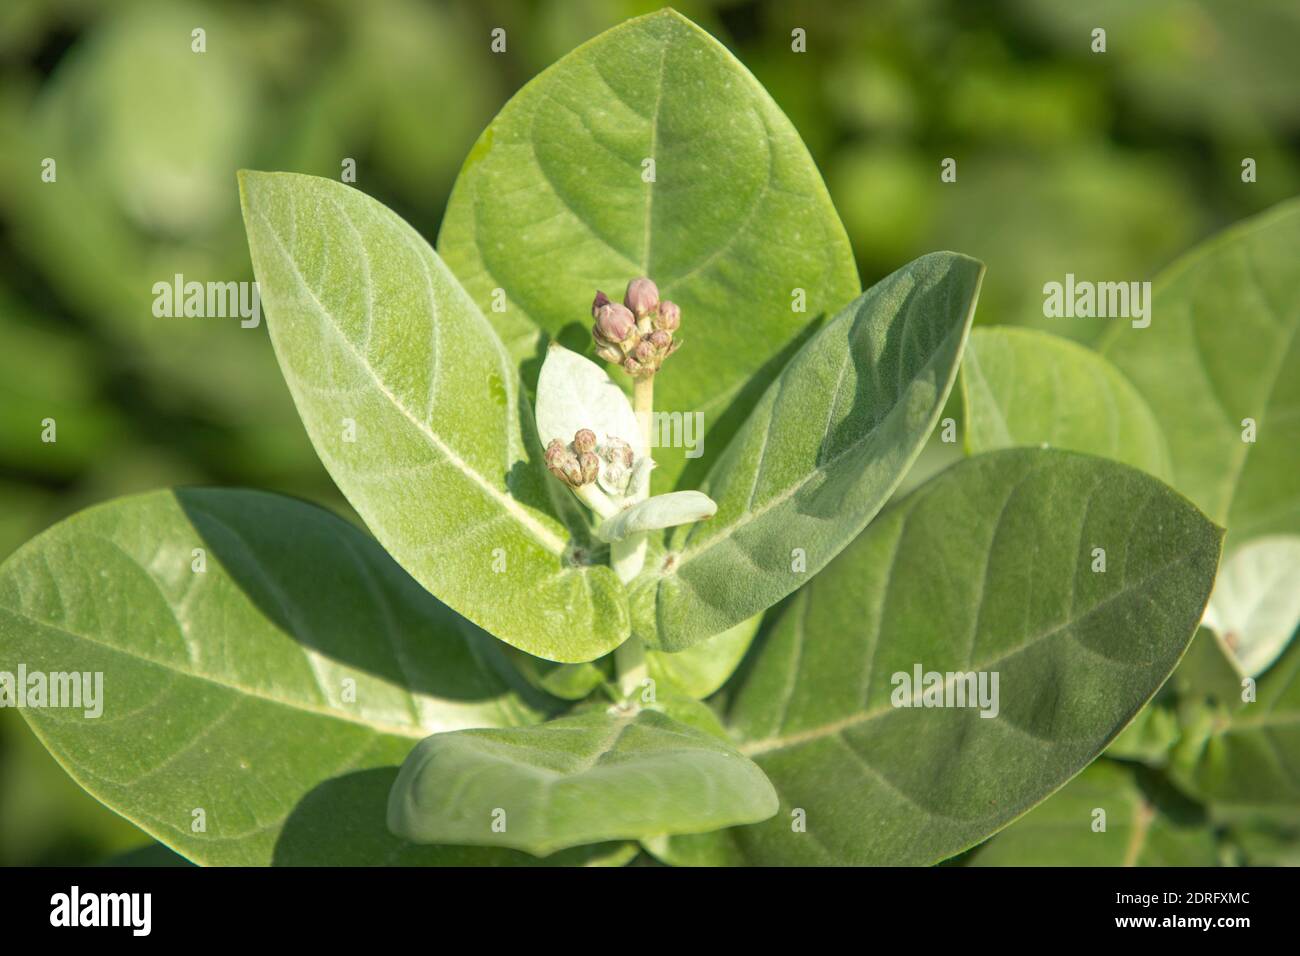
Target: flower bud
[555, 453]
[573, 466]
[609, 353]
[661, 340]
[669, 317]
[614, 324]
[617, 450]
[616, 466]
[644, 352]
[642, 297]
[632, 366]
[600, 300]
[589, 465]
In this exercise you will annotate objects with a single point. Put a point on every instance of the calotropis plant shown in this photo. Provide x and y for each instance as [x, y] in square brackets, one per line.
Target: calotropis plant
[553, 596]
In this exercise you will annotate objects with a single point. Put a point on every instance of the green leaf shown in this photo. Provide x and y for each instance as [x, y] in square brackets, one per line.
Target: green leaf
[1139, 830]
[565, 681]
[370, 328]
[1222, 347]
[1023, 387]
[277, 690]
[700, 670]
[1246, 759]
[1207, 675]
[1151, 735]
[818, 457]
[985, 568]
[1255, 605]
[576, 780]
[551, 205]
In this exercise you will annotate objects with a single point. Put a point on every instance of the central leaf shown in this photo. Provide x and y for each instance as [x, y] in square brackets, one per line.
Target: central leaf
[652, 151]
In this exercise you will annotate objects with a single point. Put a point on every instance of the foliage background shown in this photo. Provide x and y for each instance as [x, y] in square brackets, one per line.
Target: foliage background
[1106, 166]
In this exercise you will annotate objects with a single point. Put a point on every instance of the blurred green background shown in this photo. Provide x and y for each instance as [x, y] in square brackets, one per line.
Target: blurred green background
[1068, 161]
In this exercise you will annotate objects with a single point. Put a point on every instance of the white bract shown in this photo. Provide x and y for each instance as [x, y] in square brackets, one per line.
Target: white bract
[574, 396]
[1255, 606]
[574, 393]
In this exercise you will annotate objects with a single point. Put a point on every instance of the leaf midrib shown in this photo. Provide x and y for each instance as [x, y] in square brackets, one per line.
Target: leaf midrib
[753, 514]
[543, 535]
[781, 742]
[229, 686]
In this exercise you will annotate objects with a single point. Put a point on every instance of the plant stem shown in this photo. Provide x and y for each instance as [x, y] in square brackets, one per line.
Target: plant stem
[627, 557]
[596, 500]
[643, 404]
[630, 662]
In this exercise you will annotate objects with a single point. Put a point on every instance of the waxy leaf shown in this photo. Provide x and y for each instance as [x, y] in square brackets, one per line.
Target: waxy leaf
[700, 670]
[576, 780]
[1222, 348]
[1255, 605]
[1067, 830]
[266, 667]
[985, 570]
[650, 151]
[821, 453]
[1023, 387]
[415, 409]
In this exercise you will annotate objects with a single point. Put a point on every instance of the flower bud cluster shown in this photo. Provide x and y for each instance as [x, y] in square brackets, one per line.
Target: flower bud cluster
[637, 335]
[576, 464]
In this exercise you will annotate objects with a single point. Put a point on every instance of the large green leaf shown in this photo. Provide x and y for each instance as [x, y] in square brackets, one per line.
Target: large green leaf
[577, 780]
[276, 691]
[821, 453]
[552, 205]
[985, 568]
[1140, 829]
[443, 465]
[1222, 347]
[1023, 387]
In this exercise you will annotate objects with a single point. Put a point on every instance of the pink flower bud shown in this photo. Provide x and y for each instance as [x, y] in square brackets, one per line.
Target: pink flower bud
[596, 303]
[584, 441]
[669, 317]
[642, 297]
[589, 464]
[614, 324]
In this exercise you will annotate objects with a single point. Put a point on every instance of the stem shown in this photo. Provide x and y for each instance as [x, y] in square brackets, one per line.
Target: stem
[643, 404]
[630, 663]
[627, 557]
[596, 500]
